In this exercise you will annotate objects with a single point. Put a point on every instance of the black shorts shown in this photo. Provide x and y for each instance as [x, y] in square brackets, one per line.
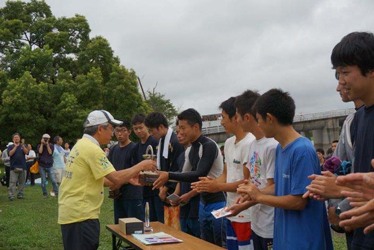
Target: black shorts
[81, 235]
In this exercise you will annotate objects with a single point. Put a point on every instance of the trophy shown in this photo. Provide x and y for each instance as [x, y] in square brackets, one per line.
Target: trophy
[147, 178]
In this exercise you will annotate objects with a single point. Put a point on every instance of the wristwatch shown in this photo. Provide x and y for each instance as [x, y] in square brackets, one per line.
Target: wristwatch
[338, 211]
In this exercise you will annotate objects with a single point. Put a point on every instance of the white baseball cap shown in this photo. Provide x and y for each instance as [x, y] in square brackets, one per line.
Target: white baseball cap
[9, 144]
[46, 136]
[98, 117]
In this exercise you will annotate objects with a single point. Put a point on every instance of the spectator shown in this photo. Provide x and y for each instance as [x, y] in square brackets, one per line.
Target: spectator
[321, 157]
[45, 152]
[66, 150]
[17, 153]
[6, 160]
[58, 159]
[30, 159]
[334, 144]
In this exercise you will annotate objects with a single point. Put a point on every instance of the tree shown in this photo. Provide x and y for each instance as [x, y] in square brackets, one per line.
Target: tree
[158, 102]
[52, 74]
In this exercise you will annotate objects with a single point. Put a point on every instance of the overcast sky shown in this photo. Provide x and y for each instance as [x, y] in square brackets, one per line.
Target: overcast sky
[202, 52]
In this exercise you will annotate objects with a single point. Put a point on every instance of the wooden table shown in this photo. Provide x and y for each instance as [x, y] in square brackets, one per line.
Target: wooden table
[189, 242]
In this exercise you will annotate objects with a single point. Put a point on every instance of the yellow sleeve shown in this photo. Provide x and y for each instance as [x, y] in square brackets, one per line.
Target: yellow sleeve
[100, 165]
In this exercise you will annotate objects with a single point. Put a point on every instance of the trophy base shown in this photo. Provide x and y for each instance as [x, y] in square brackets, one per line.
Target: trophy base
[147, 178]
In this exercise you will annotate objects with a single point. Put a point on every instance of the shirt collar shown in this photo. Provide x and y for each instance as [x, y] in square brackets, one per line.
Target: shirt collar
[92, 139]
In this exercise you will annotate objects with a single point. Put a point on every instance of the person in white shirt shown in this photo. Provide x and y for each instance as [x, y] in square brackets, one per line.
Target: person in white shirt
[30, 159]
[261, 164]
[238, 231]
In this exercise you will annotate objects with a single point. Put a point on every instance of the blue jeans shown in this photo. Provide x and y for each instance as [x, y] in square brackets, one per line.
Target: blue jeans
[191, 226]
[124, 208]
[212, 230]
[156, 208]
[51, 174]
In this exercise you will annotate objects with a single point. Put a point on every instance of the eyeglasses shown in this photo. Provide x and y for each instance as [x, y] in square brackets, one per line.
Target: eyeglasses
[119, 131]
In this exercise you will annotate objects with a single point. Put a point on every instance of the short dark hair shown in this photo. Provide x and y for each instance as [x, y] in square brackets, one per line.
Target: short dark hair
[191, 116]
[335, 141]
[16, 133]
[138, 118]
[155, 119]
[229, 106]
[277, 103]
[125, 123]
[56, 139]
[320, 150]
[356, 48]
[244, 102]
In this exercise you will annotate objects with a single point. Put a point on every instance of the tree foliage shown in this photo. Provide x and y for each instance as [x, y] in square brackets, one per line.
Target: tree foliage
[52, 74]
[158, 102]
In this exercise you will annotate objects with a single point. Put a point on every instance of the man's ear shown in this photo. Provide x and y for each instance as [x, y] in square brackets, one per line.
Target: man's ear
[270, 118]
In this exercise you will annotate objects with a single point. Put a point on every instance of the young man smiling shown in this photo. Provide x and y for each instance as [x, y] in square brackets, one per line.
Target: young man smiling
[204, 159]
[238, 232]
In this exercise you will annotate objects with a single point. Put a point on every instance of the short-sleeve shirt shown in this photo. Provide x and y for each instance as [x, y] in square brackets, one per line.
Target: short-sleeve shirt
[261, 165]
[294, 229]
[120, 157]
[17, 160]
[81, 192]
[236, 155]
[58, 157]
[45, 159]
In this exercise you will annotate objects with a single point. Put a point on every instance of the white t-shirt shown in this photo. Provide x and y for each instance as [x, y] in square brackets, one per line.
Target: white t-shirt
[31, 153]
[261, 165]
[236, 155]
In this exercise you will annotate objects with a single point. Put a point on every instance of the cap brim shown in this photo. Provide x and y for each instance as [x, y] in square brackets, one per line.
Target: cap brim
[115, 122]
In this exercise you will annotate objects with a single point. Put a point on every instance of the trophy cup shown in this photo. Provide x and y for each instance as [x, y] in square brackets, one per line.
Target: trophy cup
[147, 178]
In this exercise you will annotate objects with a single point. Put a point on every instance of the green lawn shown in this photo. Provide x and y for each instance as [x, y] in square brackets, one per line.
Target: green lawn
[32, 223]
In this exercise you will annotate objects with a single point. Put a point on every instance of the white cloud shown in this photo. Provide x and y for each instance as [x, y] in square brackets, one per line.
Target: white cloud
[203, 52]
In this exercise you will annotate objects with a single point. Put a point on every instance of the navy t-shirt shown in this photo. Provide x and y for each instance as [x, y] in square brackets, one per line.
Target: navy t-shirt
[17, 160]
[137, 156]
[120, 157]
[45, 159]
[363, 137]
[294, 229]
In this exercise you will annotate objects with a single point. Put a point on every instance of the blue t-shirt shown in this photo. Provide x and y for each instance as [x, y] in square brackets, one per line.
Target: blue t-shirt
[17, 160]
[294, 229]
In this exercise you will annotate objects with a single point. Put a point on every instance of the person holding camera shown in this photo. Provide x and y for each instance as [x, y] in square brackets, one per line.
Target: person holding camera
[17, 153]
[45, 151]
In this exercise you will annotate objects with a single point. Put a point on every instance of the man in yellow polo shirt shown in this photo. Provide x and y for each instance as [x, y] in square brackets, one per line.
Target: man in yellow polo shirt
[82, 187]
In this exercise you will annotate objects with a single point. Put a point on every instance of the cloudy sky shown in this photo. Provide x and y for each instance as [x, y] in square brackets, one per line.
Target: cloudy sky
[202, 52]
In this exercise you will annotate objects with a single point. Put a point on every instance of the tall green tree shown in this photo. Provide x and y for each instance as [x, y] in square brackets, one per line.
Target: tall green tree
[52, 74]
[158, 102]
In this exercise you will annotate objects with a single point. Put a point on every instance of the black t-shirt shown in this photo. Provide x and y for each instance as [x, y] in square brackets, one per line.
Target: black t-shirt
[137, 156]
[201, 167]
[120, 157]
[363, 135]
[17, 160]
[191, 209]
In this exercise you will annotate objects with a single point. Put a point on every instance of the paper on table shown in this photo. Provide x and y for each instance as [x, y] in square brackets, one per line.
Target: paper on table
[156, 238]
[221, 213]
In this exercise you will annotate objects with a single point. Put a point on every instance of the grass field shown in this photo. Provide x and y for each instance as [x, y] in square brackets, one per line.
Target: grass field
[32, 223]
